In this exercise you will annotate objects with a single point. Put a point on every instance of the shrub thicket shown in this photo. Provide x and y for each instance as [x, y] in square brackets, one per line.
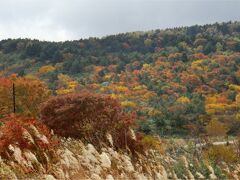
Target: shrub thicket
[26, 133]
[88, 116]
[221, 153]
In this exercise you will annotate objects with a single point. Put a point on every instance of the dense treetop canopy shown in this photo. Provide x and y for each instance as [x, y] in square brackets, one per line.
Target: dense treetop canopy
[178, 80]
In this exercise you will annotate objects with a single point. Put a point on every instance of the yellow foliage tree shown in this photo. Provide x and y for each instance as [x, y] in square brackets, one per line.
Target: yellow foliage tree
[154, 112]
[128, 104]
[46, 69]
[146, 66]
[183, 100]
[234, 87]
[66, 84]
[216, 128]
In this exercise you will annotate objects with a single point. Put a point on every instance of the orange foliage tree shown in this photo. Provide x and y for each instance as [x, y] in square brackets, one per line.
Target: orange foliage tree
[30, 93]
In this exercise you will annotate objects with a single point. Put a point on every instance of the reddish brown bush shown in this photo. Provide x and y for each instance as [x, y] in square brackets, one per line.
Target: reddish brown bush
[87, 116]
[14, 129]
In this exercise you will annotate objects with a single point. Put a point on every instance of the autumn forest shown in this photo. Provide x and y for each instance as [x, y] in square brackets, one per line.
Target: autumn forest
[180, 82]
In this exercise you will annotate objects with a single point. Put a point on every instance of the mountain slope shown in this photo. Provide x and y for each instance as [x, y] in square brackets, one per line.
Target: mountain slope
[176, 80]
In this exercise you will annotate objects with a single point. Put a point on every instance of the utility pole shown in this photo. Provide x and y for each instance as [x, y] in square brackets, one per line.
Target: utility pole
[125, 134]
[14, 98]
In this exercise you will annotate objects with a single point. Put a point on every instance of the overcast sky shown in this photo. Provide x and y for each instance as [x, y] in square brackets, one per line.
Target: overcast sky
[59, 20]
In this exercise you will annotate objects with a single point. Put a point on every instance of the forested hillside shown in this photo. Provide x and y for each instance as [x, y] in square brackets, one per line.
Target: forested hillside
[180, 81]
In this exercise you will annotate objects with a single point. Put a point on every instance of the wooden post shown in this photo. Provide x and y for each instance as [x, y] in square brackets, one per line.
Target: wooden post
[125, 134]
[14, 98]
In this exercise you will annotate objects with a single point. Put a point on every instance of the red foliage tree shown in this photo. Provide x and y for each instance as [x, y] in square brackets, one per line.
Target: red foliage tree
[87, 116]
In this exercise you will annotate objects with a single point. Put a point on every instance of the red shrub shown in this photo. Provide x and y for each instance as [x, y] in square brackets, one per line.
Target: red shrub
[13, 129]
[87, 116]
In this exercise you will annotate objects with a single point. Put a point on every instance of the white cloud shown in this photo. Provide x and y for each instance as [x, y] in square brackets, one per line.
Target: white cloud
[59, 20]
